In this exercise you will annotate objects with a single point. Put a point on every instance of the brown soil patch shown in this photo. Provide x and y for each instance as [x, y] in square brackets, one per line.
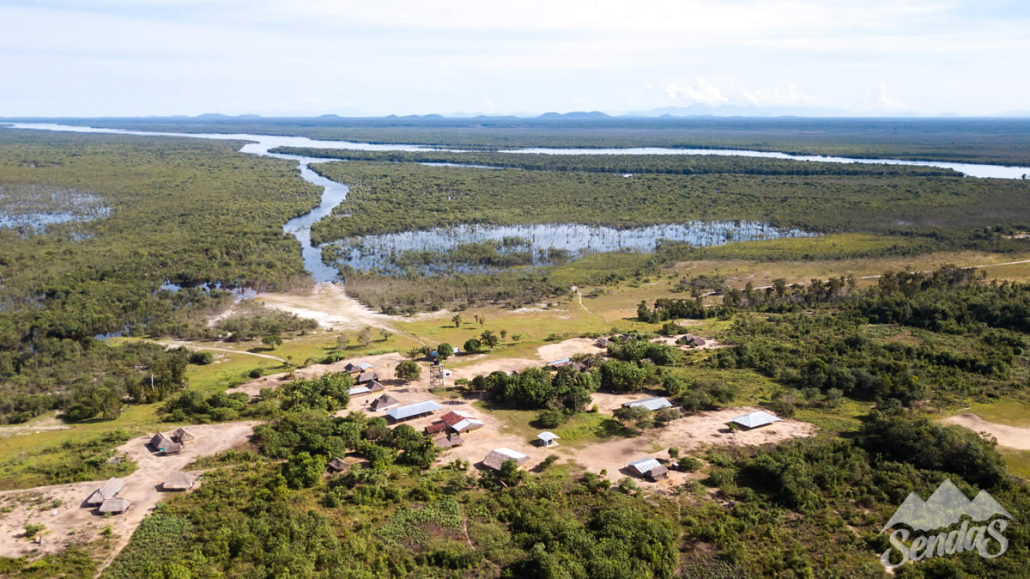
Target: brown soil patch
[1009, 436]
[687, 434]
[567, 349]
[72, 523]
[710, 344]
[383, 363]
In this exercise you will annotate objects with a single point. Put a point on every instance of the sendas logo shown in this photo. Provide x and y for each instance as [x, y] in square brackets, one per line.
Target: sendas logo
[929, 522]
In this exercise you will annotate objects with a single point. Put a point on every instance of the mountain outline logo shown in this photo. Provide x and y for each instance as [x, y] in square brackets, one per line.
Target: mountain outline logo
[944, 508]
[947, 507]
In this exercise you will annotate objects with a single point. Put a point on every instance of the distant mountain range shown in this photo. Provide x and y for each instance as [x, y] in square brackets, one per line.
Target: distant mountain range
[945, 507]
[691, 111]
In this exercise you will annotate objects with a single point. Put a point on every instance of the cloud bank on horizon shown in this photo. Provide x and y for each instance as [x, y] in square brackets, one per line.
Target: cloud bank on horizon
[308, 57]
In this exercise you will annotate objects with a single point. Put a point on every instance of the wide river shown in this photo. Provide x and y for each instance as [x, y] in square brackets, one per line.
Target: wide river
[334, 193]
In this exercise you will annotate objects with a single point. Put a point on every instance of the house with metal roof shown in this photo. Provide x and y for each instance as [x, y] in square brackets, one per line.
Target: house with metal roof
[383, 402]
[499, 456]
[651, 404]
[755, 420]
[179, 481]
[111, 488]
[547, 438]
[649, 467]
[413, 410]
[559, 363]
[359, 391]
[461, 423]
[357, 368]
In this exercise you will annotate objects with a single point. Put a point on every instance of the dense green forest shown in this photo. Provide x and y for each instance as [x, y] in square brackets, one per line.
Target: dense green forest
[627, 164]
[180, 210]
[390, 197]
[994, 141]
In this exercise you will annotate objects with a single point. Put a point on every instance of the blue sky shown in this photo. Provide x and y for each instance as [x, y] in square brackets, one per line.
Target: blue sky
[309, 57]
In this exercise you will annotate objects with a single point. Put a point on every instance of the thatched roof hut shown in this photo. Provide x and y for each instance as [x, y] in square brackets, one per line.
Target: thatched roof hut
[159, 442]
[448, 441]
[367, 376]
[499, 456]
[115, 506]
[337, 465]
[111, 488]
[383, 402]
[658, 473]
[179, 481]
[183, 436]
[172, 448]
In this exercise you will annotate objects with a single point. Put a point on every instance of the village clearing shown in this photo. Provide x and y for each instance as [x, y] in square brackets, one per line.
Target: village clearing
[60, 507]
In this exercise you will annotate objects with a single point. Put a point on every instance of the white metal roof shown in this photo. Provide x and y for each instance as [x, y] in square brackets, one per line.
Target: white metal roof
[358, 390]
[650, 403]
[364, 365]
[467, 424]
[645, 465]
[756, 419]
[547, 436]
[413, 410]
[510, 453]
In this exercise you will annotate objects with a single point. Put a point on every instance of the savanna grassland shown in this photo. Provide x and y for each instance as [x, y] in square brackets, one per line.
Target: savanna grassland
[912, 307]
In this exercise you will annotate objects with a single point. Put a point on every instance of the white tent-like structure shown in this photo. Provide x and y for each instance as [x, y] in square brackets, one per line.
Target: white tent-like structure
[547, 438]
[755, 419]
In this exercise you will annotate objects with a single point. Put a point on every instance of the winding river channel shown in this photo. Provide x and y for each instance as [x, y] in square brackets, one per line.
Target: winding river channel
[572, 237]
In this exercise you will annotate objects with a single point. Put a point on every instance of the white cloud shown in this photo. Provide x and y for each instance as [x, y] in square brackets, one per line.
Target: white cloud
[707, 92]
[774, 96]
[885, 100]
[702, 91]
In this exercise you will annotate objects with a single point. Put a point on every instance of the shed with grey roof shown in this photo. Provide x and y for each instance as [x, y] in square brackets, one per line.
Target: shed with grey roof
[548, 438]
[413, 410]
[644, 466]
[651, 404]
[755, 420]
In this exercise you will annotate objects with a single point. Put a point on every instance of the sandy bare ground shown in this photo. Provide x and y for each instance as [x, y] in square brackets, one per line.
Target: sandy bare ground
[172, 344]
[383, 363]
[478, 443]
[710, 344]
[1009, 436]
[568, 349]
[687, 434]
[72, 523]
